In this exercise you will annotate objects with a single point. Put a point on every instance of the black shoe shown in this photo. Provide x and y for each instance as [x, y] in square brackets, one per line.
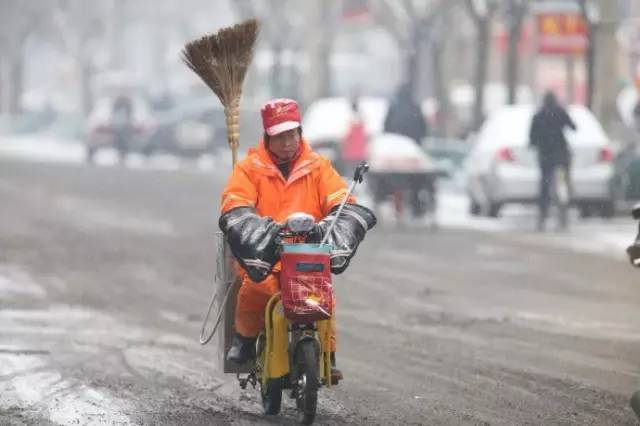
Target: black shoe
[243, 349]
[336, 375]
[635, 403]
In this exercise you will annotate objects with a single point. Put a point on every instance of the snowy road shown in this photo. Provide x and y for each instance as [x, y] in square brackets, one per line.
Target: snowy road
[105, 275]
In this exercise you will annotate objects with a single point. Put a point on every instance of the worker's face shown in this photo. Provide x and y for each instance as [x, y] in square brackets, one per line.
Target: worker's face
[285, 145]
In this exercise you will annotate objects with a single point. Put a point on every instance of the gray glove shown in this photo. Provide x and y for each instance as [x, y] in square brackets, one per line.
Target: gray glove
[253, 239]
[350, 229]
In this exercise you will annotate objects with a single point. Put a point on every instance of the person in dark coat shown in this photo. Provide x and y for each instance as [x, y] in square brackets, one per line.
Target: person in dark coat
[405, 116]
[122, 123]
[547, 136]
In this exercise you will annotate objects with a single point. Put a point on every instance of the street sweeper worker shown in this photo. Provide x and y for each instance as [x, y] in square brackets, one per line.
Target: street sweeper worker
[281, 176]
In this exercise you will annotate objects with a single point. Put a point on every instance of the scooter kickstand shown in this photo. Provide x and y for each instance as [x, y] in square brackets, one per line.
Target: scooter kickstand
[250, 379]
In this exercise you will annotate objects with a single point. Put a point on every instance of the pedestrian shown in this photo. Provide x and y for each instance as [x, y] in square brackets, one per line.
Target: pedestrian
[546, 134]
[122, 124]
[405, 117]
[354, 144]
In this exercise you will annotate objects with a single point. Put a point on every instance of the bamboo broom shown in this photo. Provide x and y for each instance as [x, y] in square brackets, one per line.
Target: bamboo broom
[221, 60]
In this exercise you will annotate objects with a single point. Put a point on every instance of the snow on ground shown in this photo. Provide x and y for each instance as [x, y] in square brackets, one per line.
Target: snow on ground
[606, 237]
[43, 148]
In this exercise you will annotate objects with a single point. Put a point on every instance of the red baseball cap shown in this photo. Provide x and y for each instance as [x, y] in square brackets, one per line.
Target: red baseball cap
[280, 115]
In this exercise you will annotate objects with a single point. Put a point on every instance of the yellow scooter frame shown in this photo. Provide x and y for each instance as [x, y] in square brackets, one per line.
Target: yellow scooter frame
[273, 357]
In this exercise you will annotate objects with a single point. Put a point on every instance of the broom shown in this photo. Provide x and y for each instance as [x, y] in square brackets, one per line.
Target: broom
[221, 61]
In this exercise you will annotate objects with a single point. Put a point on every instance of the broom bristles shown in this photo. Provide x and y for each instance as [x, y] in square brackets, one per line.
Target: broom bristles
[221, 60]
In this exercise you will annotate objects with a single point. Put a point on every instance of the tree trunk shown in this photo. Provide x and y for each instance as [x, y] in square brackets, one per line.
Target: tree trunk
[482, 59]
[16, 69]
[276, 71]
[441, 91]
[590, 54]
[86, 71]
[3, 85]
[413, 59]
[325, 85]
[607, 72]
[590, 57]
[512, 61]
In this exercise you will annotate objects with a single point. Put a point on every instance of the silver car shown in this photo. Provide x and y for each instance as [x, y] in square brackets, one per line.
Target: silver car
[502, 169]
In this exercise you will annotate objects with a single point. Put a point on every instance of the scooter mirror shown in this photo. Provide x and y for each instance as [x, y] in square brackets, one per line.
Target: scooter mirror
[360, 171]
[636, 211]
[300, 222]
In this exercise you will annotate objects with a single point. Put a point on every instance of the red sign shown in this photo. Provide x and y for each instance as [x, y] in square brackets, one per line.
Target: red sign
[561, 33]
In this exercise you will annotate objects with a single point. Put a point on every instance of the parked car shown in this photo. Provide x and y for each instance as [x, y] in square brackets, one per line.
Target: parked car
[502, 169]
[627, 178]
[106, 129]
[448, 154]
[194, 126]
[188, 128]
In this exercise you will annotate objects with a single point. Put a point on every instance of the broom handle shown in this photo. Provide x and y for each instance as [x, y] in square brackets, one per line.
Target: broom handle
[232, 114]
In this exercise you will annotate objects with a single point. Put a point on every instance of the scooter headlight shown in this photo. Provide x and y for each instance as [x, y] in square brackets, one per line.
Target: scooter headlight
[300, 222]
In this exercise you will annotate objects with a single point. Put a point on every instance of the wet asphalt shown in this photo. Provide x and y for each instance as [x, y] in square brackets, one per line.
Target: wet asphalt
[106, 272]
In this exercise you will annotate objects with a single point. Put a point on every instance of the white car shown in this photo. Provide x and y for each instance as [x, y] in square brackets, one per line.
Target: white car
[502, 169]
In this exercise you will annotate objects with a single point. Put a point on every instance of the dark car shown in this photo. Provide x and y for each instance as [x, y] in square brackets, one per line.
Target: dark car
[194, 127]
[627, 175]
[126, 129]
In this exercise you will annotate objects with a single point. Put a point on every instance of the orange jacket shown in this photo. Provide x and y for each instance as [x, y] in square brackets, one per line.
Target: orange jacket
[313, 186]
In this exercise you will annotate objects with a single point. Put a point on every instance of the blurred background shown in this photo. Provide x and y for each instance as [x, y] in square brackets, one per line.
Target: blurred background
[65, 63]
[113, 158]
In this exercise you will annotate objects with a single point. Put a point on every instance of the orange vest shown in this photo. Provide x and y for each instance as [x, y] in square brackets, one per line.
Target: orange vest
[313, 186]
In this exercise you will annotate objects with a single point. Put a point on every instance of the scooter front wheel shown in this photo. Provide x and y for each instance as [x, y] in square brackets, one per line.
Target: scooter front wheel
[307, 363]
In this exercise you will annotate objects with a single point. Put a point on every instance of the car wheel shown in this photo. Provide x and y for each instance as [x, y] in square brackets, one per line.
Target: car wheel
[494, 210]
[607, 209]
[475, 208]
[89, 154]
[585, 211]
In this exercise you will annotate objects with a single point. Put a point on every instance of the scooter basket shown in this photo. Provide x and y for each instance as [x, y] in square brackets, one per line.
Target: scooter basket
[305, 282]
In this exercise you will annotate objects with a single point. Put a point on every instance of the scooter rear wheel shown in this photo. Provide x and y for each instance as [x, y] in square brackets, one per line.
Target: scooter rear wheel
[307, 387]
